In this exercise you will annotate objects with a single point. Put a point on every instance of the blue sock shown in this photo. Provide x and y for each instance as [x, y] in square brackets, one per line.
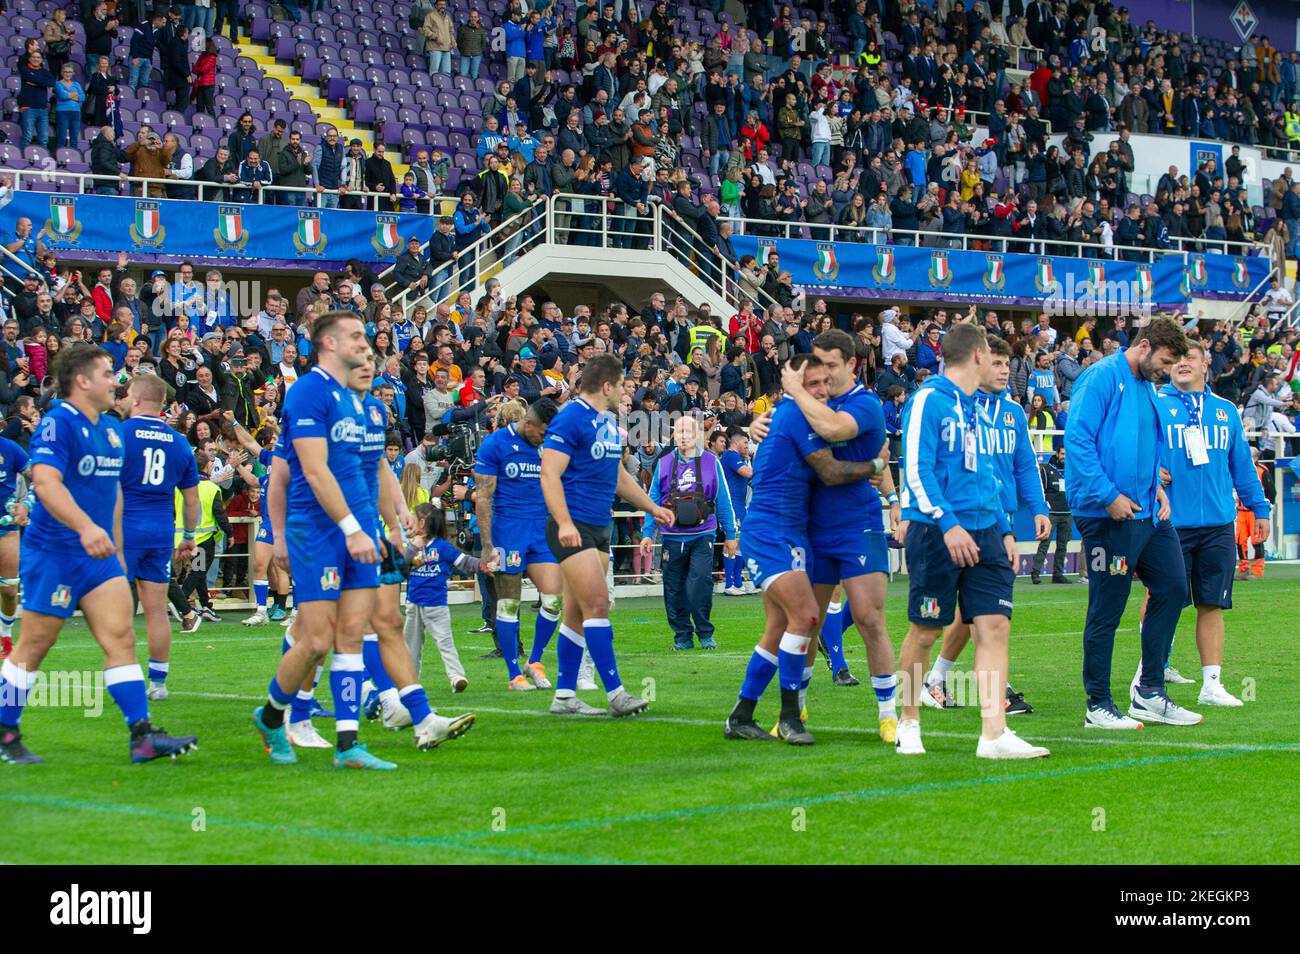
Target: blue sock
[728, 571]
[374, 660]
[885, 687]
[543, 631]
[600, 643]
[568, 653]
[278, 697]
[14, 685]
[758, 674]
[345, 684]
[833, 636]
[790, 661]
[261, 589]
[300, 707]
[158, 672]
[126, 685]
[508, 638]
[7, 624]
[416, 702]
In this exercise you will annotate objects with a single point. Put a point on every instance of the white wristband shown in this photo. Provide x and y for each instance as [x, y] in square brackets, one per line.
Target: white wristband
[349, 525]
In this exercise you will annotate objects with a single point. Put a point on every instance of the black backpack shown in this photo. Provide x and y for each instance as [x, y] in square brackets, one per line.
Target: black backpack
[690, 508]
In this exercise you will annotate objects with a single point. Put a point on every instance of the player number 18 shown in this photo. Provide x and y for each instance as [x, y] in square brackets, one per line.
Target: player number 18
[155, 465]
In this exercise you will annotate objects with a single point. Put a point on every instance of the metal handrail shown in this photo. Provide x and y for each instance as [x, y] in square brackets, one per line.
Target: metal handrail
[82, 178]
[1012, 243]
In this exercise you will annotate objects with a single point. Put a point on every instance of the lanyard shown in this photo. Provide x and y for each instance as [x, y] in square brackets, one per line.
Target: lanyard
[1195, 404]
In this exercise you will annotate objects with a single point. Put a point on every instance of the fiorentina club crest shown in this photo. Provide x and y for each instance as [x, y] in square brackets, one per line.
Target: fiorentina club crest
[147, 229]
[230, 233]
[309, 239]
[995, 278]
[940, 273]
[1240, 273]
[885, 269]
[827, 266]
[1044, 279]
[386, 240]
[62, 225]
[1196, 271]
[1243, 20]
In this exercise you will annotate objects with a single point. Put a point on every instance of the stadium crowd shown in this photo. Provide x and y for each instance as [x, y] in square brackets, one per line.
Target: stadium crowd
[764, 116]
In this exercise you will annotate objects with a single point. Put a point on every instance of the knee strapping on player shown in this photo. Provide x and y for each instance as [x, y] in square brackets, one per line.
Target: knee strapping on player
[552, 605]
[508, 610]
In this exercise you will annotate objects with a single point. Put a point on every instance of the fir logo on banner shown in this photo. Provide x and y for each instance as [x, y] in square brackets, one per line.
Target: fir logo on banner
[940, 274]
[827, 266]
[386, 240]
[766, 249]
[994, 275]
[230, 233]
[1044, 280]
[1240, 273]
[62, 225]
[1197, 269]
[885, 270]
[1145, 284]
[1096, 274]
[147, 229]
[309, 239]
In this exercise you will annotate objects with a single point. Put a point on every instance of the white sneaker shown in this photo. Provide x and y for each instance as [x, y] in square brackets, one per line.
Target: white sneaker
[748, 588]
[733, 591]
[436, 729]
[626, 704]
[305, 736]
[288, 623]
[1009, 746]
[573, 706]
[396, 716]
[1213, 694]
[1108, 717]
[908, 739]
[157, 692]
[1160, 708]
[257, 619]
[1176, 678]
[587, 673]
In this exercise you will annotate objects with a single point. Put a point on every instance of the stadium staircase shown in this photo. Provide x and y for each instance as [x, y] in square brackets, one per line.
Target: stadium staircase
[538, 247]
[299, 88]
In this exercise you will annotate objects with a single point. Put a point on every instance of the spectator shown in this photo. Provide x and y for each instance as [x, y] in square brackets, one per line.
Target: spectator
[205, 80]
[254, 173]
[34, 99]
[220, 169]
[69, 100]
[149, 157]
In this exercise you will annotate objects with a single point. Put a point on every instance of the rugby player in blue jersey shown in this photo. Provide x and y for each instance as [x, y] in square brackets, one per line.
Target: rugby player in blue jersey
[959, 545]
[333, 555]
[265, 573]
[512, 524]
[582, 472]
[384, 651]
[158, 462]
[846, 523]
[14, 463]
[69, 556]
[774, 543]
[1004, 434]
[1207, 458]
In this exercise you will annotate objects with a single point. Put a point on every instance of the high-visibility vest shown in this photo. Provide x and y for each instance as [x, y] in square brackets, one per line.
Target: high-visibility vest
[207, 527]
[1291, 125]
[700, 335]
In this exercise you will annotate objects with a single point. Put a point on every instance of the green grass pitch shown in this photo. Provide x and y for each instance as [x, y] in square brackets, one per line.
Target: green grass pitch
[526, 787]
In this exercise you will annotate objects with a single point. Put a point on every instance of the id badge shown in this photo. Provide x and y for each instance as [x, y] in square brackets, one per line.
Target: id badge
[1194, 441]
[972, 453]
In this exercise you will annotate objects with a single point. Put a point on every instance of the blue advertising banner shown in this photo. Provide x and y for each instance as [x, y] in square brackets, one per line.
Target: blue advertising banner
[1168, 283]
[216, 230]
